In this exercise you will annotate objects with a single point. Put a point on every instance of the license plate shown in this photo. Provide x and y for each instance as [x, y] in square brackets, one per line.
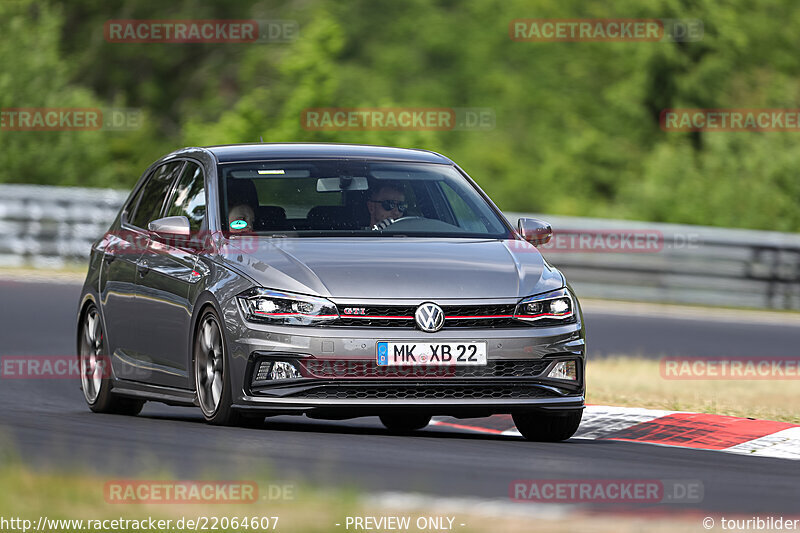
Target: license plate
[431, 353]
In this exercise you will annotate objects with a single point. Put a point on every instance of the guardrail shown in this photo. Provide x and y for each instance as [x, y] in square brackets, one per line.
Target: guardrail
[677, 263]
[54, 226]
[48, 226]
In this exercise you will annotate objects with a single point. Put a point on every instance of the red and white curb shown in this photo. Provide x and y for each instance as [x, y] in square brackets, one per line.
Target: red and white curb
[760, 438]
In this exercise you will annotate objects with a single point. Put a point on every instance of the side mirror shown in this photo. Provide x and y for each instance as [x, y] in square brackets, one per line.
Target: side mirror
[170, 226]
[535, 231]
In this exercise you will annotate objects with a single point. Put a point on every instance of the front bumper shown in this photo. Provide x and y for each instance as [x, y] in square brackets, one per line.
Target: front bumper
[345, 396]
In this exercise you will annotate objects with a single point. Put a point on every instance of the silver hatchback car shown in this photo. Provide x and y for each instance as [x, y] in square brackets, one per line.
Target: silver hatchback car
[329, 280]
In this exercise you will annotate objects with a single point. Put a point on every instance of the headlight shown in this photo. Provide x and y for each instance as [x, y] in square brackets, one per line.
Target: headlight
[275, 307]
[556, 305]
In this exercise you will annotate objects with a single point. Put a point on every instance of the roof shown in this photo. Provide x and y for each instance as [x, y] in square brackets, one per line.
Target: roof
[265, 151]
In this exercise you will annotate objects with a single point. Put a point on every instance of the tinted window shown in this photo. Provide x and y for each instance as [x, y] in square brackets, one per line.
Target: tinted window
[154, 194]
[133, 203]
[189, 198]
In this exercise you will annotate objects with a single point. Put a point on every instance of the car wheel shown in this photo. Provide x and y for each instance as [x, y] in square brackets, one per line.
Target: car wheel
[548, 427]
[405, 423]
[95, 369]
[210, 372]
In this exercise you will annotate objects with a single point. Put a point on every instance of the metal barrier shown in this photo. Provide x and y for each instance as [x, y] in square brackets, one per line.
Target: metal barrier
[677, 263]
[54, 226]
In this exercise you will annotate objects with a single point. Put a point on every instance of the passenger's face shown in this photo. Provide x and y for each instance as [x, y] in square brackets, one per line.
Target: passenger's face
[378, 212]
[241, 212]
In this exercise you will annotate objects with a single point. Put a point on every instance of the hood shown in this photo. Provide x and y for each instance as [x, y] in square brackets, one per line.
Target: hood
[394, 268]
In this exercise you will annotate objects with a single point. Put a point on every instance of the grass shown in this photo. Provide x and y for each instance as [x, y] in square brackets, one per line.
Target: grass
[637, 382]
[29, 494]
[67, 272]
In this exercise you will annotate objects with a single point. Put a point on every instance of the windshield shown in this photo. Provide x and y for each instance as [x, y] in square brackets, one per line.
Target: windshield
[358, 198]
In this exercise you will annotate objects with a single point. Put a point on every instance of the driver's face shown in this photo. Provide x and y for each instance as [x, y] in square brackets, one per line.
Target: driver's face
[376, 210]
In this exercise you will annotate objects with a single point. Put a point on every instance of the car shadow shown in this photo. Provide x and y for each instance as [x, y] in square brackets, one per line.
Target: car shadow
[355, 426]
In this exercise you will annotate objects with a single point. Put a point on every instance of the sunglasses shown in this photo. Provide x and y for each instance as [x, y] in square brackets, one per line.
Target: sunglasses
[388, 205]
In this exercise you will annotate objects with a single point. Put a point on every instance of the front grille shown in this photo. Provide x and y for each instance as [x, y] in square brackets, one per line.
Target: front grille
[343, 368]
[424, 392]
[456, 316]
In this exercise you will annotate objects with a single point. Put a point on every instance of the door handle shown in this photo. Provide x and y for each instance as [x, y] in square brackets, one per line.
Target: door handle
[143, 268]
[109, 258]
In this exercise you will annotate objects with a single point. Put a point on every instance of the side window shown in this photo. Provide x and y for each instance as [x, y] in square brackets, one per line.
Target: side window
[134, 202]
[154, 194]
[189, 198]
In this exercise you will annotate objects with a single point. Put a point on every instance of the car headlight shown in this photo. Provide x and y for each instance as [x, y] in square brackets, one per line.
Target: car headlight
[276, 307]
[557, 305]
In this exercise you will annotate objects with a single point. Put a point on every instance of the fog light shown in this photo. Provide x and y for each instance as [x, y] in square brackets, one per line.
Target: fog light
[564, 370]
[283, 370]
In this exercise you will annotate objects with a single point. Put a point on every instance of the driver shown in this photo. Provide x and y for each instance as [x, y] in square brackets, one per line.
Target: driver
[386, 203]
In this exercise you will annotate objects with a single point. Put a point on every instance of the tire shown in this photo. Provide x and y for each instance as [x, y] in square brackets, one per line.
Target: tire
[548, 427]
[212, 382]
[405, 423]
[95, 368]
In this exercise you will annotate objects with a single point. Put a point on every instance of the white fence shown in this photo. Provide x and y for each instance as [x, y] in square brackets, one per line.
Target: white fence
[53, 226]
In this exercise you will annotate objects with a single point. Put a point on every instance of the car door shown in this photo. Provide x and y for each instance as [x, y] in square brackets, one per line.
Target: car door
[165, 275]
[128, 361]
[122, 246]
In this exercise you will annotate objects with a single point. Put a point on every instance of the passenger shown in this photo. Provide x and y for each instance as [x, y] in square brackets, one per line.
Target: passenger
[241, 218]
[242, 204]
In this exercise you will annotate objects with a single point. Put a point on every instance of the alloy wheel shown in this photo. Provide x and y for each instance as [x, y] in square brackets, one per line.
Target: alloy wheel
[209, 365]
[93, 362]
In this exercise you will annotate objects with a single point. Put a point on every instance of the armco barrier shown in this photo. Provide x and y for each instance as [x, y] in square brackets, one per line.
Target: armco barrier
[53, 226]
[692, 264]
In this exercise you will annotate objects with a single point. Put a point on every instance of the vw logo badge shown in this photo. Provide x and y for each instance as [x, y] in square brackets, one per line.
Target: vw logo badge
[429, 317]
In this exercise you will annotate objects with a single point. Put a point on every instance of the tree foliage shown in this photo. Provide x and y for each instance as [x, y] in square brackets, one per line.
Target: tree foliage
[577, 124]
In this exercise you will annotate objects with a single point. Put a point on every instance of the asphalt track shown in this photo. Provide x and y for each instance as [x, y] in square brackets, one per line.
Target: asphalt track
[46, 421]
